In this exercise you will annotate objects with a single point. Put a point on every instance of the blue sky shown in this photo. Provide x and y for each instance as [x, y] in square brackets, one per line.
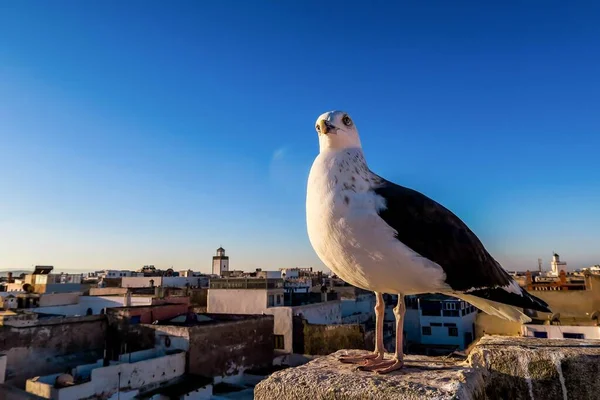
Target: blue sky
[146, 132]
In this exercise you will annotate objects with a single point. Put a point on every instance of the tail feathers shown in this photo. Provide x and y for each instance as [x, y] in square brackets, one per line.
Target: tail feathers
[500, 310]
[520, 299]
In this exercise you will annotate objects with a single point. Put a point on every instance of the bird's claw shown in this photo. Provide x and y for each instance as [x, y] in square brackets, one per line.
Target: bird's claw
[383, 366]
[361, 359]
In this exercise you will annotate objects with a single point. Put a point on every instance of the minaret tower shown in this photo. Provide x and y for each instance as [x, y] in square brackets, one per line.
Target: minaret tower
[220, 262]
[557, 265]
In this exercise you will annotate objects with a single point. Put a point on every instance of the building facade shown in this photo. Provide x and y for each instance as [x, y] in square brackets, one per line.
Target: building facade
[266, 296]
[439, 323]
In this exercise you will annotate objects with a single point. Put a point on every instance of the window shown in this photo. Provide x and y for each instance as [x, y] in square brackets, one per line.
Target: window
[452, 331]
[279, 342]
[426, 330]
[451, 313]
[278, 299]
[449, 324]
[538, 334]
[271, 301]
[431, 308]
[449, 306]
[568, 335]
[435, 324]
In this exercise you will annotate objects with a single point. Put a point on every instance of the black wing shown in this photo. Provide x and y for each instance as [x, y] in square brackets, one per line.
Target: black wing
[436, 233]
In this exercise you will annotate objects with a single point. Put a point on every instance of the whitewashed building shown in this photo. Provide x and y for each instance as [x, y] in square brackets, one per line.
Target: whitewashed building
[561, 331]
[266, 296]
[133, 374]
[440, 321]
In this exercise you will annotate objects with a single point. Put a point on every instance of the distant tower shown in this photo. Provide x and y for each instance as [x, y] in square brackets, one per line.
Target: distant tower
[220, 262]
[540, 264]
[558, 265]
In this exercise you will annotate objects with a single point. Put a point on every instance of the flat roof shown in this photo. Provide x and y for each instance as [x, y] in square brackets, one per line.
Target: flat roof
[184, 385]
[195, 319]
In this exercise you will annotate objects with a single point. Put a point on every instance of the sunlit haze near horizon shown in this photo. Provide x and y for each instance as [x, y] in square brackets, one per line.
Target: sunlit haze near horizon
[147, 132]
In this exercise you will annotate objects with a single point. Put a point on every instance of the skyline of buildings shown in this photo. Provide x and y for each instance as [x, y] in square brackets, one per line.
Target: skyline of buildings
[209, 267]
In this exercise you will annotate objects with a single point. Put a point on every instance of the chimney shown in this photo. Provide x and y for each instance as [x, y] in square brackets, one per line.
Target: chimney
[9, 277]
[127, 299]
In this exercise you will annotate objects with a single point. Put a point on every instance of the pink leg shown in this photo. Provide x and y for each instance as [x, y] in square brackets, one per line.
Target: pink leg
[377, 355]
[386, 366]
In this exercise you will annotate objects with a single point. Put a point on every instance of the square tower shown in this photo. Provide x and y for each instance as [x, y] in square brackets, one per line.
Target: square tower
[220, 262]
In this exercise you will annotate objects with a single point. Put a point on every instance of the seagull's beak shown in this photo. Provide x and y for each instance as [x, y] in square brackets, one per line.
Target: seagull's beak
[326, 127]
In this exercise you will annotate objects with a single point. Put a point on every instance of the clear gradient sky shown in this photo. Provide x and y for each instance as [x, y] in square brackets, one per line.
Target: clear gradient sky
[145, 132]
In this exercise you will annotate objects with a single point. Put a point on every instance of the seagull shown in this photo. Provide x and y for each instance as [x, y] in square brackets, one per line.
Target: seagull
[386, 238]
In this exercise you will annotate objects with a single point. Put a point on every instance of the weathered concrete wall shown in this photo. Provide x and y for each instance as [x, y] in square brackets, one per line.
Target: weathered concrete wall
[154, 281]
[326, 339]
[103, 382]
[283, 325]
[528, 368]
[237, 301]
[95, 304]
[59, 288]
[126, 329]
[329, 312]
[58, 299]
[108, 291]
[51, 345]
[170, 300]
[557, 331]
[486, 324]
[228, 348]
[360, 304]
[573, 302]
[148, 314]
[178, 337]
[8, 392]
[199, 297]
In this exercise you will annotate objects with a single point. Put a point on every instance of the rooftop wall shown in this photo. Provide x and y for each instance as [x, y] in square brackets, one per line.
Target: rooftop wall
[229, 348]
[574, 302]
[48, 345]
[59, 299]
[106, 381]
[226, 346]
[329, 312]
[108, 291]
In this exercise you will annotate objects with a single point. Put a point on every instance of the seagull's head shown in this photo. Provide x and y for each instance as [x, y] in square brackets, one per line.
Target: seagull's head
[337, 131]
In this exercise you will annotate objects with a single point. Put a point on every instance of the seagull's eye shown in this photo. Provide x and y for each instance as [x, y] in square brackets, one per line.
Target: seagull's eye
[346, 120]
[318, 127]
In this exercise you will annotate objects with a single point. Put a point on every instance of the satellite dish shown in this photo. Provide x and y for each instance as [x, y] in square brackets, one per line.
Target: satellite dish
[554, 318]
[64, 380]
[28, 288]
[595, 316]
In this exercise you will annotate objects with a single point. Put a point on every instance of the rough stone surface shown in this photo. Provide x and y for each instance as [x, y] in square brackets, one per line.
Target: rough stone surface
[326, 378]
[498, 367]
[530, 368]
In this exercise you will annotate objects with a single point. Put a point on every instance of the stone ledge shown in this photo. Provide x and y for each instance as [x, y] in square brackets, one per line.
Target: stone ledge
[531, 368]
[498, 367]
[326, 378]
